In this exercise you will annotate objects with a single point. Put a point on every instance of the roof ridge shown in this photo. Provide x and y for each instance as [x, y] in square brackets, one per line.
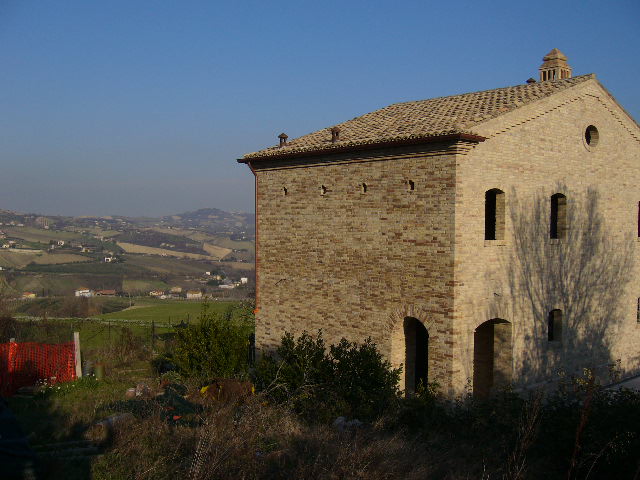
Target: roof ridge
[564, 80]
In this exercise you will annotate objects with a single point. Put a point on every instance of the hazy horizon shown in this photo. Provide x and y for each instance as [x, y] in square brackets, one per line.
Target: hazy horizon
[142, 108]
[116, 215]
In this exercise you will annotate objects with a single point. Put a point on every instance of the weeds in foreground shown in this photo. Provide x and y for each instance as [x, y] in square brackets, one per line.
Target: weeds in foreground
[580, 431]
[258, 440]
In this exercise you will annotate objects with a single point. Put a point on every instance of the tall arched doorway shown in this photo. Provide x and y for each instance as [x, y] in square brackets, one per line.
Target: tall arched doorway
[492, 356]
[416, 365]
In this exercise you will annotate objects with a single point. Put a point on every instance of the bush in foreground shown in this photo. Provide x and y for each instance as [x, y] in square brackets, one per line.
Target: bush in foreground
[217, 346]
[352, 380]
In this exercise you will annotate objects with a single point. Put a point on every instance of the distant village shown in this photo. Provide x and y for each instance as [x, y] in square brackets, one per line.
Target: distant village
[185, 257]
[172, 293]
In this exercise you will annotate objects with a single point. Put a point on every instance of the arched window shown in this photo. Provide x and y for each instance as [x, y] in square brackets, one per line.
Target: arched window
[363, 188]
[494, 214]
[554, 332]
[558, 220]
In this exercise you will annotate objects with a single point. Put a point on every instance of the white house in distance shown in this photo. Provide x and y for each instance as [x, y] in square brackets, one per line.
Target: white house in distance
[84, 292]
[194, 294]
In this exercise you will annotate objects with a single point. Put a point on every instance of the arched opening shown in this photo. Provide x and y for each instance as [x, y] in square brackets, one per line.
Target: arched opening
[494, 214]
[558, 221]
[416, 365]
[554, 324]
[492, 357]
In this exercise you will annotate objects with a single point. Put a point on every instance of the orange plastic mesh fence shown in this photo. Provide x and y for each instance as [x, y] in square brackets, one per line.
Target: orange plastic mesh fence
[24, 364]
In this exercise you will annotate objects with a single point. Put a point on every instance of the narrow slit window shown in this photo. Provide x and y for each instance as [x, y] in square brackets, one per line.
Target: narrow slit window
[323, 190]
[558, 220]
[411, 186]
[494, 214]
[363, 188]
[285, 192]
[555, 326]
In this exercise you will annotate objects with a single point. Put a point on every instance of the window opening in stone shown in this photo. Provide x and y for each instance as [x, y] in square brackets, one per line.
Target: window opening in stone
[494, 214]
[323, 190]
[363, 188]
[416, 362]
[591, 136]
[285, 192]
[554, 324]
[638, 312]
[411, 186]
[558, 221]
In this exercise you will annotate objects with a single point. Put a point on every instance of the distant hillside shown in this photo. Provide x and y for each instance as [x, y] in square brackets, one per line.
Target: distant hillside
[54, 255]
[236, 225]
[215, 221]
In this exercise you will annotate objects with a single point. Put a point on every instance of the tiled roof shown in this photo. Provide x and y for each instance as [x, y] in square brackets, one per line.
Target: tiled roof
[422, 119]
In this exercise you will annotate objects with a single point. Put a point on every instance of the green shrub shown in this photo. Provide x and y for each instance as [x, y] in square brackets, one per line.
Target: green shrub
[217, 346]
[352, 380]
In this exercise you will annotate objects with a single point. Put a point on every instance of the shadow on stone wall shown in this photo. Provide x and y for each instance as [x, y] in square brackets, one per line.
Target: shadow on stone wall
[584, 274]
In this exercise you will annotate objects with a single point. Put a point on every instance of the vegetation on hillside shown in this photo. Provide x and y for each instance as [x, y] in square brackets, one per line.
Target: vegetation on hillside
[289, 428]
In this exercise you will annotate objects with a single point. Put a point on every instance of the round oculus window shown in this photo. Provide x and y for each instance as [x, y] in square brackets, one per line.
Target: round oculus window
[591, 136]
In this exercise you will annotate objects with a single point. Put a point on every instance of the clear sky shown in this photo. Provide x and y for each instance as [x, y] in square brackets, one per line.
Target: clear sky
[142, 107]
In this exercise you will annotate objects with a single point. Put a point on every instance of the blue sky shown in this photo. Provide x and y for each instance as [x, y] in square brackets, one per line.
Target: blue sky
[142, 107]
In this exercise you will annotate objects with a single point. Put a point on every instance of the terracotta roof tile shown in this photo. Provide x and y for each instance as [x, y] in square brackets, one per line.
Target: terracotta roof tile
[456, 114]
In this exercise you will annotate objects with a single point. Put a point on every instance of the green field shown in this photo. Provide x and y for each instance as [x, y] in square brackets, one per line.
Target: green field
[105, 330]
[165, 311]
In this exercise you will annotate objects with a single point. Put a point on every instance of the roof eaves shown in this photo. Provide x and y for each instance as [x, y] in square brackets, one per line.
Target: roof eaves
[314, 150]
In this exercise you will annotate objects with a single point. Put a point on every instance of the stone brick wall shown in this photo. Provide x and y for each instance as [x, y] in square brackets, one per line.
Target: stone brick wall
[529, 153]
[355, 263]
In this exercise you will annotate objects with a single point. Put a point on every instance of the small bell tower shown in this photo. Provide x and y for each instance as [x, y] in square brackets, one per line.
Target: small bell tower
[555, 66]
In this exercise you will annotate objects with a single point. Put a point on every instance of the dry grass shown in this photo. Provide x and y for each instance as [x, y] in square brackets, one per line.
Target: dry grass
[258, 441]
[134, 248]
[214, 250]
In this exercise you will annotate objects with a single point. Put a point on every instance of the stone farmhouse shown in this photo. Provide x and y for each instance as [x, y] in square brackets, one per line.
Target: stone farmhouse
[481, 239]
